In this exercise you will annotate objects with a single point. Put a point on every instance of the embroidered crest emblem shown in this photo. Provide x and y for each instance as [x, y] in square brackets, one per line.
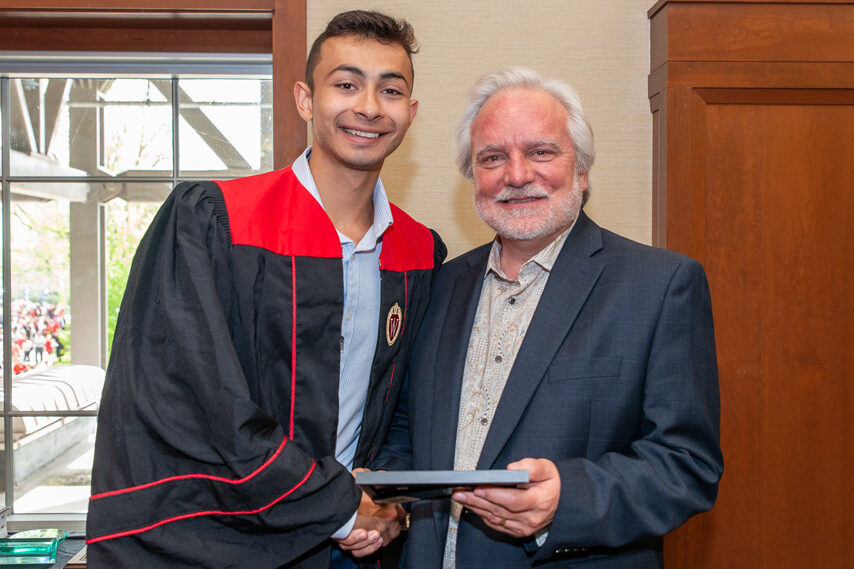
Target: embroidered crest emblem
[392, 323]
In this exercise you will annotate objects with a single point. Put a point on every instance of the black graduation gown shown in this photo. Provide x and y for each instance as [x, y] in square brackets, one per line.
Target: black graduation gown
[217, 426]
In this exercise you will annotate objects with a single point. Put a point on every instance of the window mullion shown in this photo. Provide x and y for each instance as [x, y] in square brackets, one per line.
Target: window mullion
[176, 123]
[5, 242]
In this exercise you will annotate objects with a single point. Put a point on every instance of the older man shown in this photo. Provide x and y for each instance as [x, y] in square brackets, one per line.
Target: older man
[559, 348]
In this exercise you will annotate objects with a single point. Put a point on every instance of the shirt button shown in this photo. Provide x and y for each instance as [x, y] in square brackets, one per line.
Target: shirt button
[341, 343]
[484, 421]
[512, 300]
[498, 359]
[349, 315]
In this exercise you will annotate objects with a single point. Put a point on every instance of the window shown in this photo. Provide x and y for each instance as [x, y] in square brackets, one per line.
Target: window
[86, 161]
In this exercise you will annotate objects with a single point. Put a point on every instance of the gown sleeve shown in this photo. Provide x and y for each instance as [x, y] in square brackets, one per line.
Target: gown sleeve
[180, 439]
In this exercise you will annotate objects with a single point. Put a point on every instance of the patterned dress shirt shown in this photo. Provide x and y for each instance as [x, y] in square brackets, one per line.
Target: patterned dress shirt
[504, 312]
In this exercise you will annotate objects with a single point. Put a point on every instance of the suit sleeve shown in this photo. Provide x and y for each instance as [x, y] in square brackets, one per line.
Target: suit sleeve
[672, 471]
[180, 436]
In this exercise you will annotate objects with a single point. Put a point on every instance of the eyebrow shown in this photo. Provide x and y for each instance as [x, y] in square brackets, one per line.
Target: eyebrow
[489, 148]
[544, 142]
[528, 146]
[360, 73]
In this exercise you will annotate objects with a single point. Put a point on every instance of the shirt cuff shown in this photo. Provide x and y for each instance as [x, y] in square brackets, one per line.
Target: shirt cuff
[541, 536]
[345, 530]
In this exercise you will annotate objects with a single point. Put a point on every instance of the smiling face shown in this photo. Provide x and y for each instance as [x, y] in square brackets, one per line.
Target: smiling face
[360, 108]
[526, 187]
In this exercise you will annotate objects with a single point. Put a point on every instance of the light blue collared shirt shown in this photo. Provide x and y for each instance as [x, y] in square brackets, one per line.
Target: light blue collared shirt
[361, 264]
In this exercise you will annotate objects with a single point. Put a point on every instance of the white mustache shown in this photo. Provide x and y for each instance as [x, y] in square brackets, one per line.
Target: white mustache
[528, 191]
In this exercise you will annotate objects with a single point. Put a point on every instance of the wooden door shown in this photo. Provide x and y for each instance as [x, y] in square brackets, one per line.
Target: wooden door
[754, 176]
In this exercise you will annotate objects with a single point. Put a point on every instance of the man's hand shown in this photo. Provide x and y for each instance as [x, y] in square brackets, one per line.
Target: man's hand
[376, 525]
[520, 512]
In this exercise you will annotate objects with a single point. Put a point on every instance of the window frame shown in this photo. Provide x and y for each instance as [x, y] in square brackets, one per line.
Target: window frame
[269, 33]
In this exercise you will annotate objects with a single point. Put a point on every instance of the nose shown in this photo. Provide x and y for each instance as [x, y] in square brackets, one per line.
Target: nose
[367, 104]
[517, 173]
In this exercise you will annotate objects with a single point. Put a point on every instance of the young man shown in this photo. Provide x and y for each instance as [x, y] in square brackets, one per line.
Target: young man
[263, 338]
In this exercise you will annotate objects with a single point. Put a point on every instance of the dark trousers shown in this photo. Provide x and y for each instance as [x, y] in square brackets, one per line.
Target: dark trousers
[342, 561]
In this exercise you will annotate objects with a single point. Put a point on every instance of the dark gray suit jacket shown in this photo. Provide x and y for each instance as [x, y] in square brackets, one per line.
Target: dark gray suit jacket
[616, 382]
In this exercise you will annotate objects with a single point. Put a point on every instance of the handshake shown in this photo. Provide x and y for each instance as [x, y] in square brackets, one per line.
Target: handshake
[376, 525]
[520, 512]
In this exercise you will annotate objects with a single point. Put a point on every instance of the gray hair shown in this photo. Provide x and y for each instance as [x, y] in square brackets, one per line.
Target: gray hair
[524, 77]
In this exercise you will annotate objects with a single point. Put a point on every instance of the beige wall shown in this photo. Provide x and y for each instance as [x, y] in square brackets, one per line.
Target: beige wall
[601, 48]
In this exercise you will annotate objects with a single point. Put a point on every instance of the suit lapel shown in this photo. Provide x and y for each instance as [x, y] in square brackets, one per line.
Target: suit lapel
[572, 278]
[451, 358]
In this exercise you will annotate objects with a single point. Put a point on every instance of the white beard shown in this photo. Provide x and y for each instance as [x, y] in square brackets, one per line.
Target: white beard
[522, 225]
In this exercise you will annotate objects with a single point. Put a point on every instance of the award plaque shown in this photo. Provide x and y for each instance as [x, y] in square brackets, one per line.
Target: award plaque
[395, 487]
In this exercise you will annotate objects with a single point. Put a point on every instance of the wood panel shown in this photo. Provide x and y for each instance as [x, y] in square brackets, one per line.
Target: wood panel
[754, 176]
[137, 5]
[234, 31]
[289, 53]
[778, 247]
[756, 31]
[148, 40]
[660, 3]
[768, 75]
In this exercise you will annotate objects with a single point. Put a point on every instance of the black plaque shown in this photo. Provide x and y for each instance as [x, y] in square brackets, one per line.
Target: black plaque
[394, 487]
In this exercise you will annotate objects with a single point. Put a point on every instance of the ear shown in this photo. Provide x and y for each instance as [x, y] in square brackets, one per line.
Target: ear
[582, 181]
[413, 110]
[302, 97]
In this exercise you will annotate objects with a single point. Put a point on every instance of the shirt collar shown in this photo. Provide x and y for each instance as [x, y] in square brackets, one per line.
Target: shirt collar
[545, 258]
[382, 210]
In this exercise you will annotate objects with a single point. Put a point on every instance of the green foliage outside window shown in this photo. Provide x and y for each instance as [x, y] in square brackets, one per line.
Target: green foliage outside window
[126, 224]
